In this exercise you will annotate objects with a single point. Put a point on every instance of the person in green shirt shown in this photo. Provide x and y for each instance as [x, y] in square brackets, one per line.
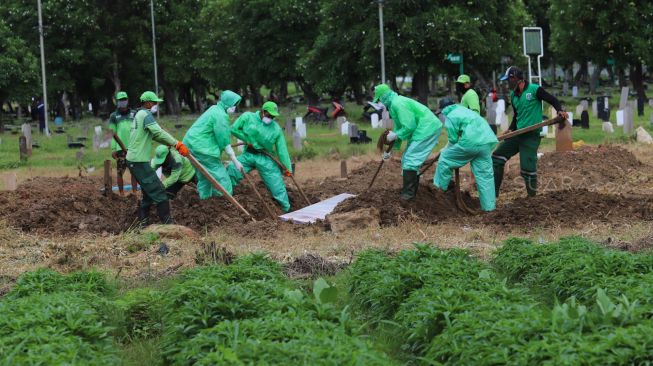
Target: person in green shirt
[415, 123]
[526, 99]
[145, 129]
[120, 122]
[177, 170]
[208, 137]
[261, 133]
[471, 140]
[469, 97]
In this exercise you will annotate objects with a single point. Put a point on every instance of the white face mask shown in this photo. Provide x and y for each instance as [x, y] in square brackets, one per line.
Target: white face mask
[231, 110]
[266, 120]
[379, 106]
[122, 103]
[155, 108]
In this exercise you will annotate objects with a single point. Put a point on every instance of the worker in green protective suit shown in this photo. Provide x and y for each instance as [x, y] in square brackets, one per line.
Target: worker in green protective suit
[526, 99]
[120, 123]
[261, 133]
[415, 123]
[177, 170]
[144, 131]
[469, 97]
[471, 140]
[208, 137]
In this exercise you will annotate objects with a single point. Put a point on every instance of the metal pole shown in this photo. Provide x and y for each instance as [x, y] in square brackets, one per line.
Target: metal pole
[383, 80]
[45, 89]
[156, 74]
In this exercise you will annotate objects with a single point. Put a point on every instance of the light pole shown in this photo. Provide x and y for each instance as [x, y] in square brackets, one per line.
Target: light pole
[45, 89]
[156, 74]
[382, 41]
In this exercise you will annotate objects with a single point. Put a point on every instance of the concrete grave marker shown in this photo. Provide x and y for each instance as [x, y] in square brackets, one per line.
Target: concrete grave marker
[620, 117]
[300, 126]
[579, 109]
[651, 120]
[22, 147]
[289, 128]
[27, 132]
[353, 130]
[385, 118]
[343, 169]
[339, 121]
[297, 141]
[623, 100]
[344, 128]
[97, 138]
[643, 136]
[374, 119]
[650, 102]
[490, 107]
[9, 181]
[574, 91]
[595, 109]
[629, 115]
[585, 104]
[607, 127]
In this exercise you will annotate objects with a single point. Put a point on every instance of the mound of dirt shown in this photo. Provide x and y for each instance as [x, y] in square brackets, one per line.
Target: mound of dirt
[570, 208]
[603, 169]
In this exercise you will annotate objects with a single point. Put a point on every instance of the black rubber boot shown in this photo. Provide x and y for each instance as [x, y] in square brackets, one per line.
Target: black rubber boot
[411, 181]
[498, 178]
[163, 210]
[143, 215]
[531, 185]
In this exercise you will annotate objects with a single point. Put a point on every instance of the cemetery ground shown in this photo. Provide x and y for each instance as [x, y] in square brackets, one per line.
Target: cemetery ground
[352, 289]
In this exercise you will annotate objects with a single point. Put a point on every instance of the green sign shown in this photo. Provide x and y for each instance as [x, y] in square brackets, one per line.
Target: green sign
[455, 58]
[611, 61]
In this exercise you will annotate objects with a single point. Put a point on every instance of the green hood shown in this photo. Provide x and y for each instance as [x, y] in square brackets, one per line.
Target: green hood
[387, 99]
[449, 109]
[229, 99]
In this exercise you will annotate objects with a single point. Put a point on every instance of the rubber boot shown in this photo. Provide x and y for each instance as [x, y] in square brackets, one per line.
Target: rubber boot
[143, 215]
[531, 186]
[163, 210]
[498, 178]
[411, 181]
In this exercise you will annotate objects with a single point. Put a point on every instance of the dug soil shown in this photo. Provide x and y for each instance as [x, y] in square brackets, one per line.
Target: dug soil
[605, 183]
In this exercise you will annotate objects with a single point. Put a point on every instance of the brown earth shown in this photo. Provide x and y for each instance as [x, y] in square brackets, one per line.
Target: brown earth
[63, 206]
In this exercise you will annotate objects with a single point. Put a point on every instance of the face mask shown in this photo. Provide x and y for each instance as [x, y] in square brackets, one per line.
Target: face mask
[155, 108]
[512, 83]
[460, 88]
[266, 120]
[231, 110]
[379, 106]
[122, 104]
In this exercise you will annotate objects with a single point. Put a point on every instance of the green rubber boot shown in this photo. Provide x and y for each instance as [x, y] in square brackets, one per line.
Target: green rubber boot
[411, 182]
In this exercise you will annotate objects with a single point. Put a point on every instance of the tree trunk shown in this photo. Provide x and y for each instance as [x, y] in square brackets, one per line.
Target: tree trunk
[255, 97]
[311, 96]
[171, 100]
[637, 78]
[621, 74]
[581, 75]
[359, 95]
[283, 92]
[200, 93]
[115, 75]
[594, 80]
[421, 85]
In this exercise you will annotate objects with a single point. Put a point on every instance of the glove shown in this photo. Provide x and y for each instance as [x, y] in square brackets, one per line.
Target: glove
[230, 151]
[183, 150]
[287, 173]
[386, 156]
[114, 155]
[238, 166]
[391, 136]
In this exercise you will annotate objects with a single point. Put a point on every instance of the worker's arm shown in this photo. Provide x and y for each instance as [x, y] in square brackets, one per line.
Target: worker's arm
[237, 129]
[542, 94]
[175, 172]
[513, 124]
[113, 126]
[221, 132]
[158, 134]
[282, 152]
[407, 123]
[453, 130]
[471, 101]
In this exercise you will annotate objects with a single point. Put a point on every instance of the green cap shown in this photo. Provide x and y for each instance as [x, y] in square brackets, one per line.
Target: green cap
[149, 96]
[160, 154]
[462, 79]
[380, 90]
[121, 95]
[271, 107]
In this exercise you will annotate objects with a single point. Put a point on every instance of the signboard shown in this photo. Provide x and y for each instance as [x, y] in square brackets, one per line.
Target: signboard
[455, 58]
[533, 44]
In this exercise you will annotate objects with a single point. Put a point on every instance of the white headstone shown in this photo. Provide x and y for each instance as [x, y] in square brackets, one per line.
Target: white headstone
[595, 109]
[623, 100]
[545, 131]
[302, 130]
[621, 118]
[90, 107]
[97, 137]
[374, 118]
[650, 102]
[585, 104]
[501, 106]
[574, 91]
[570, 118]
[297, 141]
[629, 116]
[344, 128]
[579, 109]
[300, 126]
[607, 127]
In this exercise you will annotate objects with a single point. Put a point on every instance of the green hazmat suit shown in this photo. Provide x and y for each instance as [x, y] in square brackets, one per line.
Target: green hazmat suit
[471, 140]
[207, 138]
[415, 123]
[251, 129]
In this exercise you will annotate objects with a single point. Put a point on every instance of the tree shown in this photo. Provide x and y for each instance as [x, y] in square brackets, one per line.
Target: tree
[18, 78]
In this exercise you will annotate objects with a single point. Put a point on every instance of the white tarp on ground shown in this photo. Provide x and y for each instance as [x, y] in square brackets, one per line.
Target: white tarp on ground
[317, 211]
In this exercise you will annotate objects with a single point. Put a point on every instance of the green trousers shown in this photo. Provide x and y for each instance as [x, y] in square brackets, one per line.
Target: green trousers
[269, 172]
[479, 157]
[417, 151]
[214, 166]
[151, 185]
[526, 145]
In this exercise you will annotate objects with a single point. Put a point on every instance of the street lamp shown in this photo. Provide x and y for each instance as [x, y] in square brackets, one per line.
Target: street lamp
[382, 41]
[45, 89]
[156, 75]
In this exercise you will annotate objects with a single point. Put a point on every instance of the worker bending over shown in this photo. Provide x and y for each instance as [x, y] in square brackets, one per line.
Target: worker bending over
[177, 170]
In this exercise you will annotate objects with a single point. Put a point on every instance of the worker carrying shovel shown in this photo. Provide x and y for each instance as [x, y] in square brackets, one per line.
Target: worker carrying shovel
[177, 170]
[120, 123]
[471, 140]
[145, 129]
[414, 123]
[207, 138]
[526, 99]
[263, 137]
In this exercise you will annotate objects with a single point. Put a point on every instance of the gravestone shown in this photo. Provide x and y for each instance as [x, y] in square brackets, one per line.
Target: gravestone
[579, 109]
[353, 130]
[385, 117]
[629, 115]
[302, 130]
[22, 146]
[574, 91]
[339, 121]
[108, 185]
[297, 141]
[595, 109]
[97, 138]
[374, 119]
[621, 118]
[623, 100]
[565, 88]
[9, 181]
[607, 127]
[650, 102]
[490, 107]
[289, 128]
[27, 132]
[584, 120]
[585, 103]
[651, 120]
[343, 169]
[344, 128]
